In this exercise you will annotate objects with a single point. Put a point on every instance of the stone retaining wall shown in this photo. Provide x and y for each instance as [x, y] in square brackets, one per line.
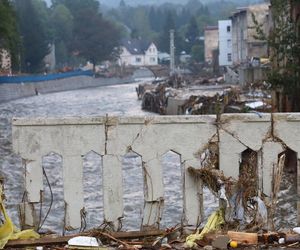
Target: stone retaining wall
[14, 91]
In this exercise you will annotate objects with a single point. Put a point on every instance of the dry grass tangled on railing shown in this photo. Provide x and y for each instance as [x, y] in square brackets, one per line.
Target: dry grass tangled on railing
[213, 179]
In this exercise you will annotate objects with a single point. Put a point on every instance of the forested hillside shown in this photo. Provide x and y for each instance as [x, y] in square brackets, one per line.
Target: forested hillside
[115, 3]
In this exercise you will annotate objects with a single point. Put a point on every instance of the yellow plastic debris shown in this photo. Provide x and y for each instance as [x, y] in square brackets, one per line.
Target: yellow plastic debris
[213, 223]
[8, 231]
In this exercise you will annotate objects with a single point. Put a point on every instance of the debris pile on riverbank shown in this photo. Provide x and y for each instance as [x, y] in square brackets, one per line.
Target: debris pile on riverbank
[171, 238]
[177, 96]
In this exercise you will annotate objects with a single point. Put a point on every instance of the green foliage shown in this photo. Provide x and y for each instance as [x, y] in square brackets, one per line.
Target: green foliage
[192, 32]
[197, 52]
[94, 38]
[9, 36]
[164, 39]
[81, 32]
[62, 23]
[36, 35]
[62, 20]
[284, 45]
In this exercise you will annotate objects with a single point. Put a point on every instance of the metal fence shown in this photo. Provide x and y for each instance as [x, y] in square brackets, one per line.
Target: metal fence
[41, 78]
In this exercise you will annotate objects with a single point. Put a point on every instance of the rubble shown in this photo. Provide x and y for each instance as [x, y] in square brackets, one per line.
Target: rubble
[178, 96]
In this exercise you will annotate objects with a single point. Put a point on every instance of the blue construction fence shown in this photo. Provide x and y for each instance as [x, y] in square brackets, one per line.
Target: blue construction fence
[41, 78]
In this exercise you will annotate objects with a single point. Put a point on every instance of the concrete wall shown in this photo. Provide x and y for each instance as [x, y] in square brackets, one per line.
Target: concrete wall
[252, 75]
[12, 91]
[211, 42]
[239, 37]
[225, 42]
[244, 43]
[151, 137]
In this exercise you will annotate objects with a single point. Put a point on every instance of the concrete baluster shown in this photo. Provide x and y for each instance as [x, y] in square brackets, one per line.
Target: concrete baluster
[270, 152]
[33, 188]
[73, 190]
[112, 190]
[193, 196]
[154, 193]
[230, 150]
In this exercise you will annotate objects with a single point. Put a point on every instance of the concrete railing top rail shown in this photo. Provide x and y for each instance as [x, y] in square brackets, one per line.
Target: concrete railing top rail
[150, 137]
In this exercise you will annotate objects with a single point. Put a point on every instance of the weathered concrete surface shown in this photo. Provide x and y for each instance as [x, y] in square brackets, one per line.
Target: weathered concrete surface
[150, 137]
[70, 138]
[10, 92]
[237, 133]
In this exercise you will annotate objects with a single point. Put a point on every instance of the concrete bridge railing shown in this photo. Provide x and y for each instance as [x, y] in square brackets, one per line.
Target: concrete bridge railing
[151, 137]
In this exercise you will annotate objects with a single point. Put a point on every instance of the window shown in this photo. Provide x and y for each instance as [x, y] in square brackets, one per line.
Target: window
[152, 59]
[228, 43]
[229, 57]
[228, 28]
[138, 59]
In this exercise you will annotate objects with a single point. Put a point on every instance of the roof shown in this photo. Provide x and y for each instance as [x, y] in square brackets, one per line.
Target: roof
[252, 8]
[135, 46]
[211, 28]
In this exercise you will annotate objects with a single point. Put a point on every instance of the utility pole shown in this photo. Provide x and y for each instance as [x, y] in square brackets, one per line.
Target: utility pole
[172, 53]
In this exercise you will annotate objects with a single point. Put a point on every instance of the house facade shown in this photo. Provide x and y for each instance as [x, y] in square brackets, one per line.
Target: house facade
[225, 42]
[5, 62]
[245, 45]
[135, 52]
[211, 42]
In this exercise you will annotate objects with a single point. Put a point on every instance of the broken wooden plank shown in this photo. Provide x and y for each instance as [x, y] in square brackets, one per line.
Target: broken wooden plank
[47, 241]
[242, 237]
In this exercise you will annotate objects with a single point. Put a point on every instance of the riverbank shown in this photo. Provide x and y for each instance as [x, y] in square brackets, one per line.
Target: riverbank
[13, 91]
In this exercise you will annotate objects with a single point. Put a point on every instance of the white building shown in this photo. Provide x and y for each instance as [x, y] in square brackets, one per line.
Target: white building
[225, 42]
[136, 52]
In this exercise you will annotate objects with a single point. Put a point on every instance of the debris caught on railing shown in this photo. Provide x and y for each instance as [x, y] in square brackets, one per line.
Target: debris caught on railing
[83, 241]
[214, 223]
[8, 231]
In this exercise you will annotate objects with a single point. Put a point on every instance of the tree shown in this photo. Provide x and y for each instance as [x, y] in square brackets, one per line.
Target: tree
[192, 32]
[62, 22]
[76, 6]
[284, 45]
[197, 52]
[94, 37]
[122, 4]
[35, 34]
[9, 36]
[164, 40]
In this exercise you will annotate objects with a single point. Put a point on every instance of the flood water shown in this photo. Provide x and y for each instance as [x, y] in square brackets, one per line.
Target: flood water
[118, 100]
